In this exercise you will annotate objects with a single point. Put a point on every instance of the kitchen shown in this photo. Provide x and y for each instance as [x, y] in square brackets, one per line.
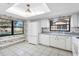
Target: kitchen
[46, 27]
[59, 32]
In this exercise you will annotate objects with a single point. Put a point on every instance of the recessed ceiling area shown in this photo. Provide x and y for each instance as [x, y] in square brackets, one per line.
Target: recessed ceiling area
[39, 10]
[35, 9]
[4, 6]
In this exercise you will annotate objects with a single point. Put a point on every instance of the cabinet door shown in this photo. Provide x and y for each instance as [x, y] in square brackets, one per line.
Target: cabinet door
[32, 39]
[61, 42]
[69, 43]
[44, 39]
[57, 41]
[78, 20]
[74, 20]
[53, 41]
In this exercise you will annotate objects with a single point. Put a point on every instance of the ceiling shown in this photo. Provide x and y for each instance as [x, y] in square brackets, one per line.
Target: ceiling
[35, 9]
[47, 10]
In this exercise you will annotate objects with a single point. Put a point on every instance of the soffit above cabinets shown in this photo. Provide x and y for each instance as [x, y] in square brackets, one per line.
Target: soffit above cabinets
[35, 8]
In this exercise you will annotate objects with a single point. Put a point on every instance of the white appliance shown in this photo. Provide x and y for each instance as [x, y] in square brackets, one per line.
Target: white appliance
[75, 46]
[32, 32]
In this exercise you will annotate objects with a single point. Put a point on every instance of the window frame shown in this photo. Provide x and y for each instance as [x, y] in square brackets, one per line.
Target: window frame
[12, 28]
[61, 30]
[21, 27]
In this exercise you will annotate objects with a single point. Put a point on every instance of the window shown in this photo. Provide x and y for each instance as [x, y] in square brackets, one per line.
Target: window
[10, 27]
[5, 27]
[18, 27]
[60, 24]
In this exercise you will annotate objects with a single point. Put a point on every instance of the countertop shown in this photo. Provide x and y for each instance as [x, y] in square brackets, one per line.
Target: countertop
[62, 33]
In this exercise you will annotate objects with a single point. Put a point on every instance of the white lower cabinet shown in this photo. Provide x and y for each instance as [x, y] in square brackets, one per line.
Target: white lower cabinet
[69, 43]
[57, 41]
[53, 41]
[44, 39]
[61, 42]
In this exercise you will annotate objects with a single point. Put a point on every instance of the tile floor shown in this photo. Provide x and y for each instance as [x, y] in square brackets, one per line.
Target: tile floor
[26, 49]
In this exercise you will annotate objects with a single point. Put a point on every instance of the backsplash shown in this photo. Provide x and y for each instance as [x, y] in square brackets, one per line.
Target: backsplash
[72, 29]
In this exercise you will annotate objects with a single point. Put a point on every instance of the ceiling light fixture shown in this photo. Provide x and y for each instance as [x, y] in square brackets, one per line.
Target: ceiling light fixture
[28, 8]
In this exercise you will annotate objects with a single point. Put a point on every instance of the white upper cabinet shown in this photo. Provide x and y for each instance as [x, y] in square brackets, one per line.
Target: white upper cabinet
[78, 20]
[45, 23]
[75, 20]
